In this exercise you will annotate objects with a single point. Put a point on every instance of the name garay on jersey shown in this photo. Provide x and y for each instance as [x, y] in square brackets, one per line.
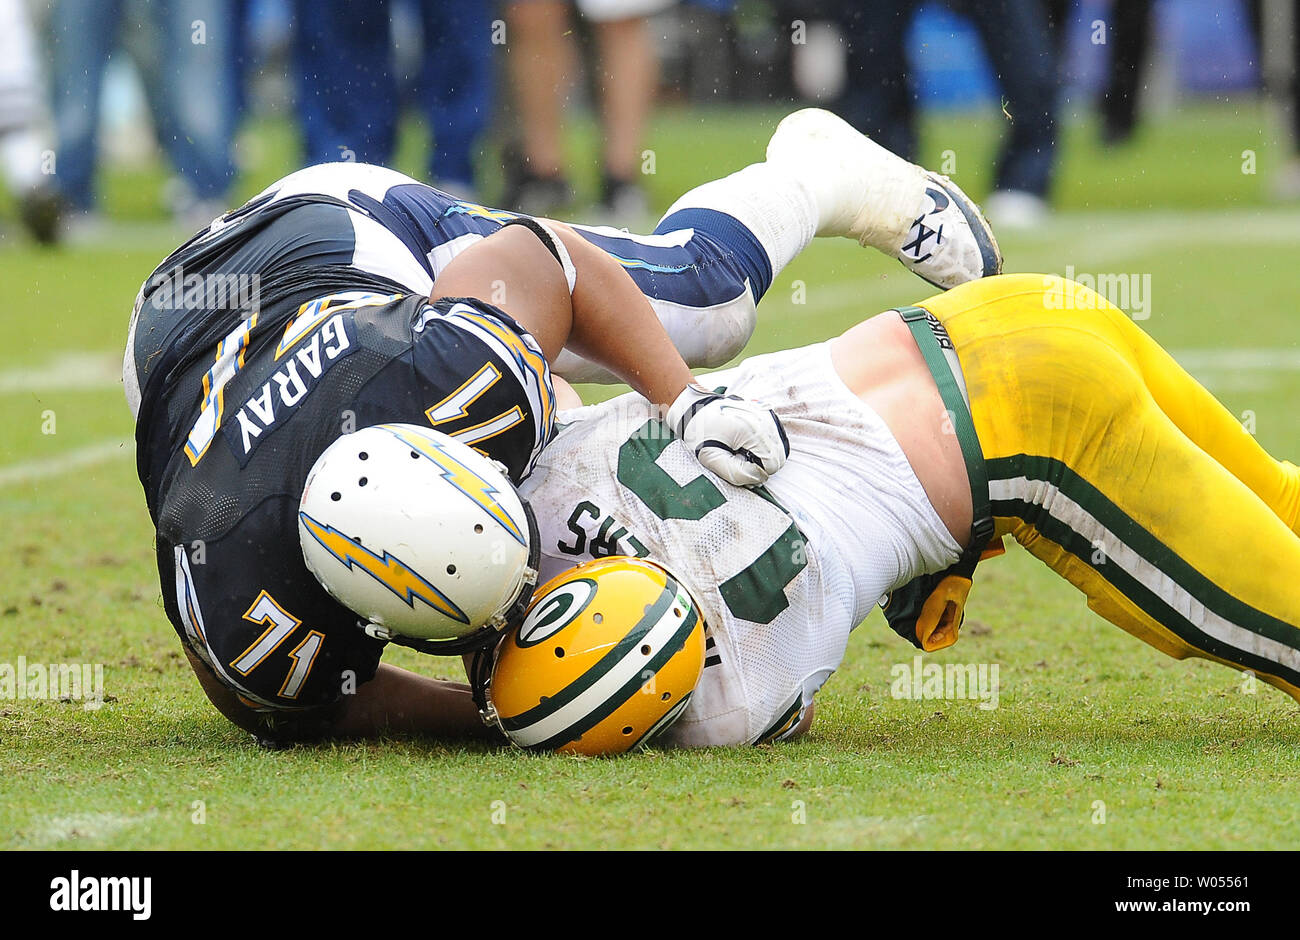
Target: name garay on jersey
[288, 386]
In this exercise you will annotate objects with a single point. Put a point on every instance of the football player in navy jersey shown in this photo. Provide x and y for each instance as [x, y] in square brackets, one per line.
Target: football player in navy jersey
[346, 296]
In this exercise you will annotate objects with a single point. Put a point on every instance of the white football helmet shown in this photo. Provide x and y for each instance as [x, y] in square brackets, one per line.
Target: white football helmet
[423, 537]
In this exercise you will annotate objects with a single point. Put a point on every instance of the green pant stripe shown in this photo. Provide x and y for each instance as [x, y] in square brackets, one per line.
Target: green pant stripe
[1138, 538]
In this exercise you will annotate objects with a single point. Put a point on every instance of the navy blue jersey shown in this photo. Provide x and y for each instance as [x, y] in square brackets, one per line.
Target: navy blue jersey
[256, 345]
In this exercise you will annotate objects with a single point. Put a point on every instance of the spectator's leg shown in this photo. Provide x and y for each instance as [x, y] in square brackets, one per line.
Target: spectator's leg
[879, 99]
[1059, 16]
[240, 61]
[538, 62]
[1286, 184]
[1295, 74]
[348, 94]
[1015, 36]
[1129, 28]
[629, 78]
[456, 86]
[196, 101]
[24, 147]
[83, 36]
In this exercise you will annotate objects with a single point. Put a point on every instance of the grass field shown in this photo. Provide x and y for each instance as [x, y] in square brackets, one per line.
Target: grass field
[1091, 724]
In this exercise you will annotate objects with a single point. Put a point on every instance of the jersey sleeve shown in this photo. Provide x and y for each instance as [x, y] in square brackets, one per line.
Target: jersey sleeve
[489, 385]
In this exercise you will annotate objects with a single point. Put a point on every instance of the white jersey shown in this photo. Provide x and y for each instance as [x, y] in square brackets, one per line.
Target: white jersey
[782, 573]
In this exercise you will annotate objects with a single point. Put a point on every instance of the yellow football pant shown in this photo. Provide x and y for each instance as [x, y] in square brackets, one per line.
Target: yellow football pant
[1114, 466]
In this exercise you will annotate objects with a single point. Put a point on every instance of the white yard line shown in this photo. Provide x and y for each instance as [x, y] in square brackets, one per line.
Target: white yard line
[1101, 237]
[45, 830]
[1238, 370]
[30, 471]
[68, 371]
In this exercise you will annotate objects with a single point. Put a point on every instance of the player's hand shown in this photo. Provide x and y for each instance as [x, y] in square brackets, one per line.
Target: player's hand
[740, 440]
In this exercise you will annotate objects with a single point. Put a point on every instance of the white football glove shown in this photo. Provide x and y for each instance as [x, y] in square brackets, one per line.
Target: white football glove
[740, 440]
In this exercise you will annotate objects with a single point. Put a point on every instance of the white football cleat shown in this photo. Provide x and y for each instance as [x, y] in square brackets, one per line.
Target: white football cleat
[950, 242]
[874, 196]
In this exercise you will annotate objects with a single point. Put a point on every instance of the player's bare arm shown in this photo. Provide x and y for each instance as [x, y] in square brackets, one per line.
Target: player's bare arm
[606, 318]
[569, 293]
[565, 395]
[402, 702]
[395, 701]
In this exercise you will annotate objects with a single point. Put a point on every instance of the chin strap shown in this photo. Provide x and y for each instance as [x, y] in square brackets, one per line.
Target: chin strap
[485, 637]
[480, 678]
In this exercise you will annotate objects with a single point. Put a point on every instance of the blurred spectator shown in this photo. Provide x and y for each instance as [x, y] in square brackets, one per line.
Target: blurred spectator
[1129, 26]
[880, 99]
[1282, 78]
[25, 163]
[350, 92]
[186, 71]
[540, 58]
[1129, 37]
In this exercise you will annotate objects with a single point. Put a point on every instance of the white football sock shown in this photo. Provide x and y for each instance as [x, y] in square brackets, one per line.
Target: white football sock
[771, 201]
[861, 190]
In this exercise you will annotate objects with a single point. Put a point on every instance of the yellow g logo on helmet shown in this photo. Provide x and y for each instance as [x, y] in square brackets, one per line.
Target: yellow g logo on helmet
[606, 658]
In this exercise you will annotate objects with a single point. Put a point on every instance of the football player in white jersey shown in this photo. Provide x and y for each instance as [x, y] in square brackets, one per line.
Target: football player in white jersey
[779, 576]
[1021, 405]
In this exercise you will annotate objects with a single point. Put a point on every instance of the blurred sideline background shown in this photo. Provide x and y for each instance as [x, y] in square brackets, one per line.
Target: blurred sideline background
[1173, 103]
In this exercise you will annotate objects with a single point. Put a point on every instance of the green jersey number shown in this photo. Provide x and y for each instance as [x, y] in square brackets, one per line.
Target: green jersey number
[757, 593]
